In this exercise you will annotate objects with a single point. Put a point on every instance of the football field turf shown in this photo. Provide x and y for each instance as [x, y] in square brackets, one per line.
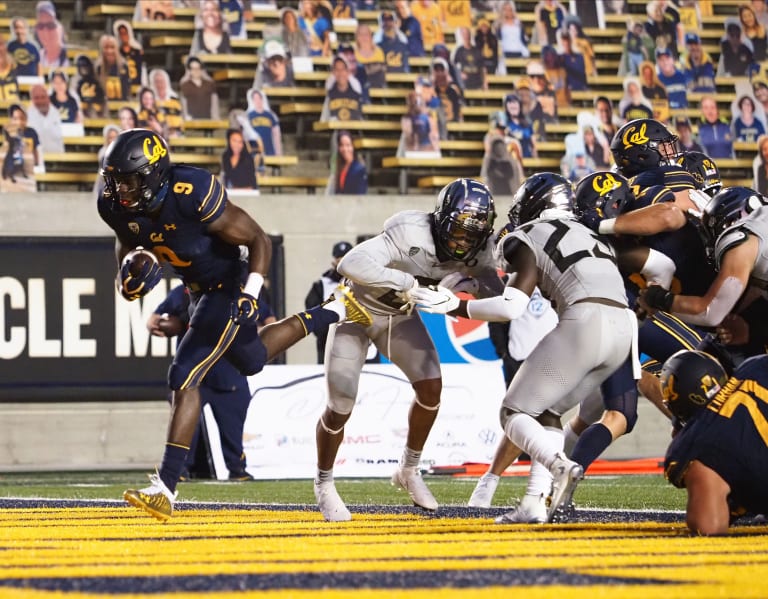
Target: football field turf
[69, 535]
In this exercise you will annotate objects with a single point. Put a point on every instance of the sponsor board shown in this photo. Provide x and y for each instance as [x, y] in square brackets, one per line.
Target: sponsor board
[279, 435]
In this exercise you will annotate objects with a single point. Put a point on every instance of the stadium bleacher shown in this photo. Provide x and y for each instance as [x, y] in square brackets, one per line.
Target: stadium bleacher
[307, 139]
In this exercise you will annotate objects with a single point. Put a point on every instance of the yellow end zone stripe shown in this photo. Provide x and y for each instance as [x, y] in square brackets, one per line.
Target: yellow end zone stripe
[91, 543]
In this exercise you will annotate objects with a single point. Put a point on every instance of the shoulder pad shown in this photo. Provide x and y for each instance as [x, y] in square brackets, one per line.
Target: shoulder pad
[730, 238]
[655, 194]
[508, 245]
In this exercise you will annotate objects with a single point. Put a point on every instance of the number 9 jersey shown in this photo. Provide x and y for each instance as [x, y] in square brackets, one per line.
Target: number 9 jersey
[177, 232]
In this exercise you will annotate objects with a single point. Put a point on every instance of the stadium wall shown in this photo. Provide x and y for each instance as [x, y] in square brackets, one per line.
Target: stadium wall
[101, 435]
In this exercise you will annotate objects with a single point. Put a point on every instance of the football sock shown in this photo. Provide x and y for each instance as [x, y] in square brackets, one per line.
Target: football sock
[592, 442]
[172, 465]
[540, 478]
[570, 439]
[324, 476]
[410, 458]
[528, 434]
[320, 317]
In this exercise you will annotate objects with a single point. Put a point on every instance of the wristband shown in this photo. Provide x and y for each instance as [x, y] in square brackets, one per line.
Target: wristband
[607, 226]
[253, 284]
[659, 298]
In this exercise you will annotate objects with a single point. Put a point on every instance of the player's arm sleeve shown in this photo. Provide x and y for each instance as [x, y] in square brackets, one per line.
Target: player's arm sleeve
[509, 305]
[732, 279]
[366, 264]
[658, 269]
[710, 310]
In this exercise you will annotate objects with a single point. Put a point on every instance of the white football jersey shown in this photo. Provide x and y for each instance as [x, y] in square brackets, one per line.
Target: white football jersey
[573, 262]
[757, 224]
[405, 250]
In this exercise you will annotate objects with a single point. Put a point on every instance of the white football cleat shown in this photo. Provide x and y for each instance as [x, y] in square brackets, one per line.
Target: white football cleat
[409, 479]
[484, 491]
[330, 503]
[566, 475]
[532, 509]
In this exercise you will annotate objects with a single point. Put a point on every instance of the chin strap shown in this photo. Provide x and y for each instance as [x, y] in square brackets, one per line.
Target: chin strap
[159, 198]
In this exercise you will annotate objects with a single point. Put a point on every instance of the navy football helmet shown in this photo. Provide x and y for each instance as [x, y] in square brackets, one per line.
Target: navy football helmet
[643, 144]
[689, 381]
[136, 169]
[540, 192]
[704, 171]
[601, 195]
[728, 207]
[463, 219]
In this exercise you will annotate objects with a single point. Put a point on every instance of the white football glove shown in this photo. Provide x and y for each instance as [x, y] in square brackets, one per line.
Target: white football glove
[435, 299]
[407, 297]
[457, 282]
[699, 198]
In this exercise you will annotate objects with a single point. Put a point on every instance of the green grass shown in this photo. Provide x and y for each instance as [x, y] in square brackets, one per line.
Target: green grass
[620, 492]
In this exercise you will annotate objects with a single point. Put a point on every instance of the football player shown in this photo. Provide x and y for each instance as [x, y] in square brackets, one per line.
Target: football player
[719, 453]
[646, 152]
[545, 245]
[651, 220]
[451, 244]
[183, 216]
[704, 170]
[735, 223]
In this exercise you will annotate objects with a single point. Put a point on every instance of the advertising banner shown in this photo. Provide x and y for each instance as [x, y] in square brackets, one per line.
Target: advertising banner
[66, 334]
[279, 437]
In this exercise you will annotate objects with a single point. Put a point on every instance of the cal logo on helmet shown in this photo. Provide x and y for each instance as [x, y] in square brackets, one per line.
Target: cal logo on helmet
[633, 137]
[153, 149]
[604, 184]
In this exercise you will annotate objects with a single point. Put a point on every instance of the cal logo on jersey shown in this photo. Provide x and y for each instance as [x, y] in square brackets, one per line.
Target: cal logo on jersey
[603, 184]
[635, 137]
[153, 149]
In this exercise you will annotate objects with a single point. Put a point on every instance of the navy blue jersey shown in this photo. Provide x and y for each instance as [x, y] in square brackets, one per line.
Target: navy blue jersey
[662, 334]
[693, 271]
[178, 235]
[345, 105]
[671, 176]
[210, 268]
[730, 436]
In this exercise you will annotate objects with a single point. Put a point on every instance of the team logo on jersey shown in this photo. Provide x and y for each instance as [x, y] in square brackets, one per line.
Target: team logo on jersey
[134, 228]
[153, 149]
[604, 184]
[413, 250]
[635, 137]
[156, 237]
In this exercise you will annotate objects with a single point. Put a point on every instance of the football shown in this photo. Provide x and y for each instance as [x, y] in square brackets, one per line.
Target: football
[137, 259]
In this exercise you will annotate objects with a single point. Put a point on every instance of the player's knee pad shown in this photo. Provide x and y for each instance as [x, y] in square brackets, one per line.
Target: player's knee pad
[340, 403]
[342, 391]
